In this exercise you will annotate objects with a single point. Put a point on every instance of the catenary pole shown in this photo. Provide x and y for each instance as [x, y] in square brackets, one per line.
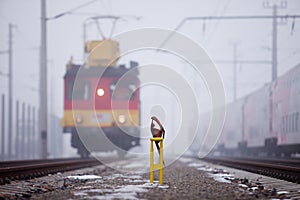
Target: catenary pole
[43, 82]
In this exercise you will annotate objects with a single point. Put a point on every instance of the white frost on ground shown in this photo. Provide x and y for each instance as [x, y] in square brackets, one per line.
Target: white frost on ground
[125, 177]
[195, 165]
[223, 176]
[131, 189]
[220, 177]
[253, 188]
[133, 179]
[85, 177]
[243, 185]
[206, 169]
[150, 185]
[82, 193]
[282, 192]
[118, 192]
[163, 186]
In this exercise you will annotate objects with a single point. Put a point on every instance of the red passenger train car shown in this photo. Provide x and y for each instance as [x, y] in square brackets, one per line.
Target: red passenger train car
[285, 111]
[265, 122]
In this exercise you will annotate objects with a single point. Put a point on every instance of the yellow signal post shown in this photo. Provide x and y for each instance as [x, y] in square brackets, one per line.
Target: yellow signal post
[159, 166]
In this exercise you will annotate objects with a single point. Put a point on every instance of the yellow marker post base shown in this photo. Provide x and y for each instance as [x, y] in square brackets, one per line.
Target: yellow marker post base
[159, 166]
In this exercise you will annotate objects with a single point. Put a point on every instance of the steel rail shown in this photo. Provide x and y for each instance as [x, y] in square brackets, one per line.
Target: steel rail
[273, 168]
[38, 168]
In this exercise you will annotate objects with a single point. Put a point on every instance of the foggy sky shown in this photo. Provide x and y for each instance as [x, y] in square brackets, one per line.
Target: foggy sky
[253, 38]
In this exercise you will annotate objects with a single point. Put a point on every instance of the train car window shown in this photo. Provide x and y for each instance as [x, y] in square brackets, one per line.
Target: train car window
[79, 90]
[123, 92]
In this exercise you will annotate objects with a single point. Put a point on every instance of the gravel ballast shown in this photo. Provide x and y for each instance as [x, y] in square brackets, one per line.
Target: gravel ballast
[183, 179]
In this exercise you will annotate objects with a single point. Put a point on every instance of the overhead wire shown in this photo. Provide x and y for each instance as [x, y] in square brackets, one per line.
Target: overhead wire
[71, 10]
[218, 21]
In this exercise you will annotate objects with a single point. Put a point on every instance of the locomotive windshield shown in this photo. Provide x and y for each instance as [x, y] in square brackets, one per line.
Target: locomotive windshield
[122, 92]
[79, 90]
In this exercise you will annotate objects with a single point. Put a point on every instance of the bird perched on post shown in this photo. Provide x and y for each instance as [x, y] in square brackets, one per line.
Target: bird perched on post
[157, 132]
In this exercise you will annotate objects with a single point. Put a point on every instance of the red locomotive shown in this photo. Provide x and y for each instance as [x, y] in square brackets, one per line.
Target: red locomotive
[102, 97]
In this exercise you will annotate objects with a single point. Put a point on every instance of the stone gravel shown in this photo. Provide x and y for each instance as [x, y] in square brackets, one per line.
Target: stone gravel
[182, 180]
[189, 183]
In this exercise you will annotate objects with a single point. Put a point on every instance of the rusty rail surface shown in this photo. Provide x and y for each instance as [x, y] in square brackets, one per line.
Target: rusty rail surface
[27, 169]
[288, 170]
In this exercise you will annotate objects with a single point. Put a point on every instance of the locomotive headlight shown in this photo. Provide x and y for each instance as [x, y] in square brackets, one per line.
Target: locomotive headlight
[121, 119]
[78, 119]
[100, 92]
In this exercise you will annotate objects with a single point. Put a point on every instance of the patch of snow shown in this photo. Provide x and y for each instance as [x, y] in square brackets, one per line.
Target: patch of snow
[253, 188]
[195, 165]
[221, 177]
[206, 169]
[163, 186]
[85, 177]
[121, 191]
[99, 190]
[114, 176]
[125, 177]
[114, 196]
[131, 189]
[282, 192]
[81, 193]
[243, 186]
[85, 187]
[150, 185]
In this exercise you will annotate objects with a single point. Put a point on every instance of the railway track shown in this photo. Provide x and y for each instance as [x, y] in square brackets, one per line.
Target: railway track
[27, 169]
[288, 170]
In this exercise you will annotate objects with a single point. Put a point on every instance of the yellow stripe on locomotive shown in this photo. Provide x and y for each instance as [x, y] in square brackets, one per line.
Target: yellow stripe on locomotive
[103, 118]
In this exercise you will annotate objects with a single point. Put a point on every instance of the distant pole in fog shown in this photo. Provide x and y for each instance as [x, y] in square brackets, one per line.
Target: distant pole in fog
[43, 115]
[17, 127]
[23, 132]
[3, 127]
[10, 87]
[43, 82]
[283, 4]
[234, 72]
[34, 143]
[84, 40]
[28, 135]
[274, 44]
